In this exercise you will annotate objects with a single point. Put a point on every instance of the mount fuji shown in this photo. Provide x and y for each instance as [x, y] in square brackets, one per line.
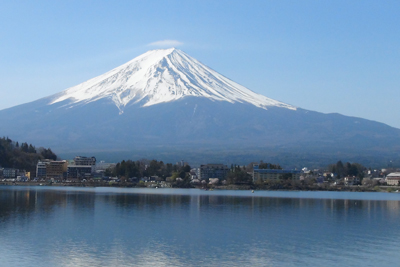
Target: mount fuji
[165, 104]
[161, 76]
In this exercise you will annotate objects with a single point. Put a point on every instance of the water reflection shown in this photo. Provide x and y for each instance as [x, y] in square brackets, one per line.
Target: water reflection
[75, 227]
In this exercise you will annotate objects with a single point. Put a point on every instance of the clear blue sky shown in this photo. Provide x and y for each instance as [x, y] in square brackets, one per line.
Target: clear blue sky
[327, 56]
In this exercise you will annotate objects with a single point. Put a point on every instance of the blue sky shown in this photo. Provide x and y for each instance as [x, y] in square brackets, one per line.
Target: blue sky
[327, 56]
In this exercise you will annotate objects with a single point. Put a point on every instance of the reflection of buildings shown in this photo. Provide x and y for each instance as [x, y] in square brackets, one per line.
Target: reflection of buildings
[393, 207]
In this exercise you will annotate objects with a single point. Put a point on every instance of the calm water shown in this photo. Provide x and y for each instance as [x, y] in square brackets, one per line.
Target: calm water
[48, 226]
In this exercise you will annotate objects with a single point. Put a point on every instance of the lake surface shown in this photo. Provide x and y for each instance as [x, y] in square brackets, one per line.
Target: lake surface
[61, 226]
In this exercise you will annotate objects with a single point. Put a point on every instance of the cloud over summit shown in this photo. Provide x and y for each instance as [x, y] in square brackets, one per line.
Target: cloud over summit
[166, 43]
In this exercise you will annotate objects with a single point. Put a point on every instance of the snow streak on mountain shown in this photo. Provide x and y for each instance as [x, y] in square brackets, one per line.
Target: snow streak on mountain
[160, 76]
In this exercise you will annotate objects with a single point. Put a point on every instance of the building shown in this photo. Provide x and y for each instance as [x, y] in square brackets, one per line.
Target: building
[57, 169]
[79, 171]
[102, 166]
[10, 173]
[80, 161]
[351, 180]
[41, 168]
[274, 174]
[393, 178]
[81, 168]
[208, 171]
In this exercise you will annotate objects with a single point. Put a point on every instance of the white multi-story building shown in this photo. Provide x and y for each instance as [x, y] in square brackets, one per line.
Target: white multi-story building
[393, 178]
[79, 160]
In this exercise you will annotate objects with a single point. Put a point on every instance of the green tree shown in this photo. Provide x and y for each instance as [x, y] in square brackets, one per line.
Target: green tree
[340, 169]
[186, 168]
[238, 177]
[48, 154]
[286, 176]
[269, 166]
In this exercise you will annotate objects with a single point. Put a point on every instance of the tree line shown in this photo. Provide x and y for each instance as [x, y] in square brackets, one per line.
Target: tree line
[22, 156]
[147, 168]
[347, 169]
[237, 175]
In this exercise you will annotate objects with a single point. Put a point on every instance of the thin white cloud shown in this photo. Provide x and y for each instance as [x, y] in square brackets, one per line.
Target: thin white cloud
[166, 43]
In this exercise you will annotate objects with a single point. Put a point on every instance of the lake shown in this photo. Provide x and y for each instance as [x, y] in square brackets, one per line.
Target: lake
[70, 226]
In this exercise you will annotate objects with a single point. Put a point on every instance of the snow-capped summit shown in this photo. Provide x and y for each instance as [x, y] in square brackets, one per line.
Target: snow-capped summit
[159, 76]
[172, 106]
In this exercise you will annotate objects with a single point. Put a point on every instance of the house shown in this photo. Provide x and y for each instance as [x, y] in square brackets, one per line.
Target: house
[351, 180]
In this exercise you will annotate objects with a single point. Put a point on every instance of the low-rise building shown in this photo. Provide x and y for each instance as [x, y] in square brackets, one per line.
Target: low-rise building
[10, 173]
[351, 180]
[22, 178]
[79, 171]
[164, 184]
[102, 166]
[208, 171]
[393, 178]
[274, 174]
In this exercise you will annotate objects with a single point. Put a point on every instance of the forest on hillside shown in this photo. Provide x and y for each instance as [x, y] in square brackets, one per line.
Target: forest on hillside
[22, 156]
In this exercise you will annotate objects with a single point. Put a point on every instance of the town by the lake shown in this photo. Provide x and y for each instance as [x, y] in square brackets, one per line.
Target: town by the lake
[87, 171]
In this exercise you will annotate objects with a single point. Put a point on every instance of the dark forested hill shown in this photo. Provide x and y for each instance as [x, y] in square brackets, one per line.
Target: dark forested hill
[22, 156]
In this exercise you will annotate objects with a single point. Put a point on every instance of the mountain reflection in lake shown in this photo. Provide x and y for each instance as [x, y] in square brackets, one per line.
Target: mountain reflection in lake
[42, 226]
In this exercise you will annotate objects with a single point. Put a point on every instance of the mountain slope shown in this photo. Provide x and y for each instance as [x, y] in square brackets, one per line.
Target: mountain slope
[160, 76]
[167, 104]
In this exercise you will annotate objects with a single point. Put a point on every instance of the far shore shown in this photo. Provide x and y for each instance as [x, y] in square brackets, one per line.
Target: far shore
[353, 188]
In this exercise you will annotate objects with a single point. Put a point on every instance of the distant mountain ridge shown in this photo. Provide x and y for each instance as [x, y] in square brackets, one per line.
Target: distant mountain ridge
[167, 104]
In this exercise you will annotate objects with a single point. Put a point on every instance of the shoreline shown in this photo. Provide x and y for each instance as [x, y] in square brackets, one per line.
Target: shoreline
[354, 188]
